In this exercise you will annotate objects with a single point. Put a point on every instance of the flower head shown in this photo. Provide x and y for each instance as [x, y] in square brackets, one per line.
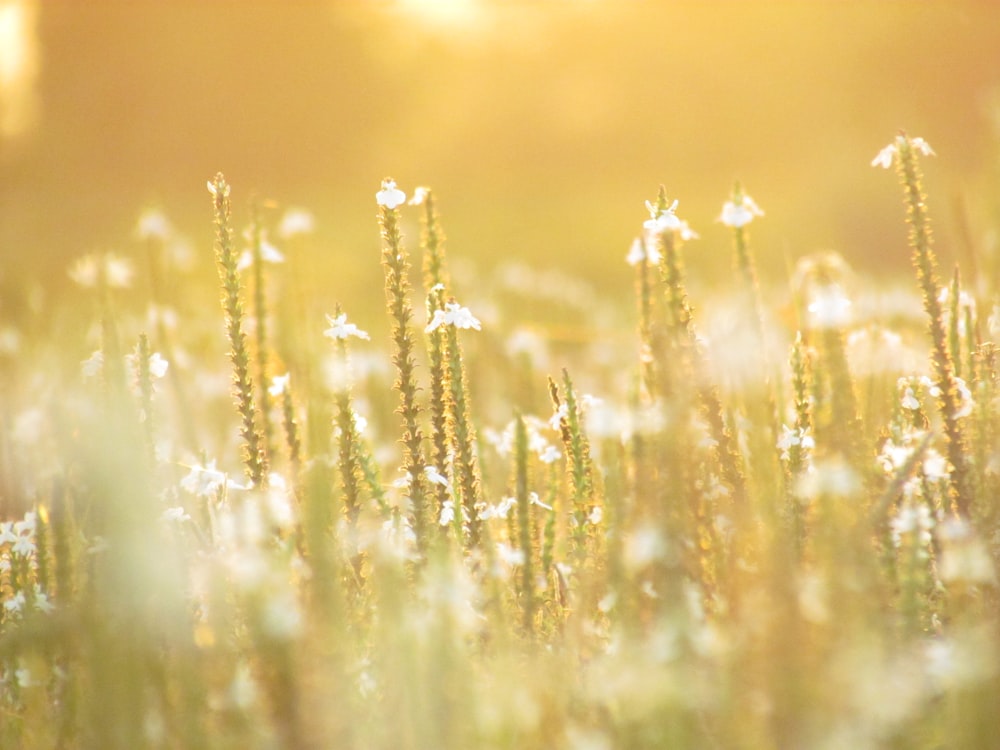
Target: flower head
[296, 221]
[666, 220]
[111, 269]
[390, 196]
[341, 329]
[279, 384]
[739, 213]
[453, 314]
[888, 155]
[154, 224]
[419, 196]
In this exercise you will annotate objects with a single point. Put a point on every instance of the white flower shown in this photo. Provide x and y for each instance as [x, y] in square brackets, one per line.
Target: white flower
[662, 221]
[739, 214]
[157, 365]
[549, 454]
[433, 475]
[500, 510]
[15, 604]
[966, 404]
[279, 384]
[830, 307]
[91, 367]
[936, 466]
[341, 329]
[205, 481]
[390, 196]
[596, 514]
[886, 156]
[296, 221]
[453, 314]
[791, 437]
[268, 254]
[116, 271]
[419, 196]
[533, 500]
[24, 546]
[909, 400]
[175, 515]
[447, 513]
[154, 224]
[225, 187]
[641, 250]
[510, 555]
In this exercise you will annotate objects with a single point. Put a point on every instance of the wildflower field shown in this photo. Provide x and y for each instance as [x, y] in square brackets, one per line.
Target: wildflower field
[250, 525]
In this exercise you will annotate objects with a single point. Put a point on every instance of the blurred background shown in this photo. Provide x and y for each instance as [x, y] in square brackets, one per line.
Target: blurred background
[542, 126]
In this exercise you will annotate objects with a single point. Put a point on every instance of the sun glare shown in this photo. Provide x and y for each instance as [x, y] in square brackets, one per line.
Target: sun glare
[444, 13]
[17, 66]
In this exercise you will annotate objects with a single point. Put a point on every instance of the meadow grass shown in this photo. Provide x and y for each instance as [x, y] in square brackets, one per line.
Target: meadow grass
[786, 538]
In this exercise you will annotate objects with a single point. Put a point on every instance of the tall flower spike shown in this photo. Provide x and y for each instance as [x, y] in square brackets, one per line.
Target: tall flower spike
[903, 153]
[254, 456]
[396, 267]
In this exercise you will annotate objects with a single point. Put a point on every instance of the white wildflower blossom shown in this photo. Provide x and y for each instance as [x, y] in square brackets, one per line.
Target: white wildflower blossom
[641, 250]
[829, 307]
[790, 437]
[390, 196]
[500, 510]
[935, 466]
[279, 384]
[419, 196]
[533, 499]
[154, 224]
[453, 314]
[887, 155]
[116, 272]
[510, 555]
[549, 454]
[226, 187]
[912, 518]
[268, 254]
[447, 513]
[436, 477]
[740, 214]
[296, 221]
[662, 221]
[596, 515]
[341, 329]
[176, 514]
[909, 400]
[966, 403]
[206, 481]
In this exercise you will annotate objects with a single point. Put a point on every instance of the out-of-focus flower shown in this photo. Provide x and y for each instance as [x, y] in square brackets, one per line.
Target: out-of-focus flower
[117, 272]
[205, 481]
[667, 221]
[175, 515]
[268, 254]
[279, 384]
[390, 196]
[153, 225]
[296, 221]
[830, 307]
[640, 251]
[341, 329]
[435, 476]
[453, 314]
[739, 214]
[419, 196]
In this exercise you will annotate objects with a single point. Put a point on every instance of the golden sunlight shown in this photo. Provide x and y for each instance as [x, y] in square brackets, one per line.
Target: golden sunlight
[18, 65]
[444, 13]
